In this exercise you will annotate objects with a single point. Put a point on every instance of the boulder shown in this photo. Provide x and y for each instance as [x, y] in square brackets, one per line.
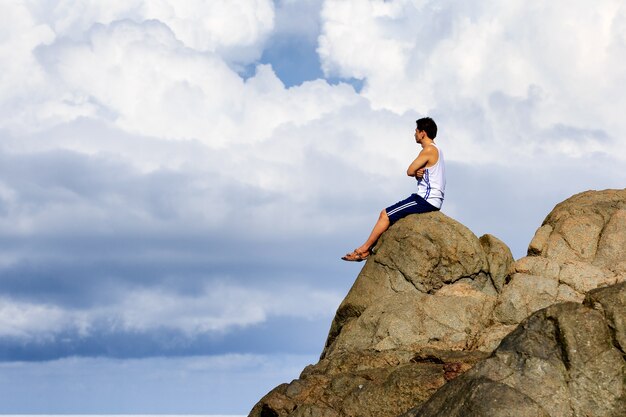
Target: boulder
[587, 227]
[564, 360]
[394, 301]
[580, 246]
[406, 325]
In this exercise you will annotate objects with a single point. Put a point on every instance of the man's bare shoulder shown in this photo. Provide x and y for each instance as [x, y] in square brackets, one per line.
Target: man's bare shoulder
[432, 153]
[429, 150]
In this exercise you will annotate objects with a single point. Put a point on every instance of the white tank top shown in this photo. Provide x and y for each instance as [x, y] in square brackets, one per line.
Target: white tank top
[432, 186]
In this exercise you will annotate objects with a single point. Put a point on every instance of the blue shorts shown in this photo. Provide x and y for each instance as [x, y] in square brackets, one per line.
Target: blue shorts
[412, 205]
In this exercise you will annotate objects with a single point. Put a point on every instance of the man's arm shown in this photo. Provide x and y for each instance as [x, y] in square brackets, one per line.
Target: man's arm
[427, 155]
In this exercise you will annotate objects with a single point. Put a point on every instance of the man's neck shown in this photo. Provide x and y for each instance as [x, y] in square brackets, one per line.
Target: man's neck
[427, 141]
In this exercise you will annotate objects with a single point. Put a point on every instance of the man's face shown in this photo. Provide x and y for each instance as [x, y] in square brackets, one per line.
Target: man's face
[418, 134]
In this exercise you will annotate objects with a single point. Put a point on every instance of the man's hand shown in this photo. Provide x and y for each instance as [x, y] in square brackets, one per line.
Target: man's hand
[419, 174]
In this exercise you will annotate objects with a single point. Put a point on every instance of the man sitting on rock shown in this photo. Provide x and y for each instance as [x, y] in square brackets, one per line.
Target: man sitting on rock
[429, 171]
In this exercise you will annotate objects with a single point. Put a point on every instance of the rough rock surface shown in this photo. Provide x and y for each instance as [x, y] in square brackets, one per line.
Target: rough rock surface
[404, 328]
[433, 300]
[402, 297]
[565, 360]
[581, 245]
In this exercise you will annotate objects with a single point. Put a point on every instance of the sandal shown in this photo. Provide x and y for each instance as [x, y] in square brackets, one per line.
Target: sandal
[356, 256]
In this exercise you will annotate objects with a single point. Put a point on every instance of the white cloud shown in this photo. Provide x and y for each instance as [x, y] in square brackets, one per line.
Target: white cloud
[479, 70]
[143, 79]
[222, 307]
[441, 57]
[21, 78]
[236, 29]
[24, 320]
[129, 120]
[355, 44]
[217, 308]
[147, 80]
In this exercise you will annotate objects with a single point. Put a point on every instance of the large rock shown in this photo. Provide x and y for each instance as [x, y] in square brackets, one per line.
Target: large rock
[588, 227]
[405, 327]
[398, 299]
[433, 300]
[563, 361]
[580, 246]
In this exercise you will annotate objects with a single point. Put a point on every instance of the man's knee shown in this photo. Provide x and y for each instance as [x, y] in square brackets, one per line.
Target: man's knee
[383, 215]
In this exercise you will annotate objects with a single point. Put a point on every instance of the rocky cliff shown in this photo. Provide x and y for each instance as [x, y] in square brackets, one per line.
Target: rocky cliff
[434, 301]
[564, 360]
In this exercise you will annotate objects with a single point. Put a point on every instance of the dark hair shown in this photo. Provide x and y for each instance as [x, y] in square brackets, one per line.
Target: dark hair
[428, 125]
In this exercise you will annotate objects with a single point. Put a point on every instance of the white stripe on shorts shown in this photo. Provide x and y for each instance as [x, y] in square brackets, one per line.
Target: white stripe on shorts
[397, 209]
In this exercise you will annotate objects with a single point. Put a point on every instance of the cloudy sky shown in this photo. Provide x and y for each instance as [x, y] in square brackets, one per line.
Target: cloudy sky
[178, 178]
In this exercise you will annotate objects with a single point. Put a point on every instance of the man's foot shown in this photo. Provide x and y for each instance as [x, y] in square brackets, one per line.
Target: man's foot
[356, 256]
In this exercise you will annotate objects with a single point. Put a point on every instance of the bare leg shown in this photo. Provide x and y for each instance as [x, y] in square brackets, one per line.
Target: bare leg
[363, 251]
[379, 228]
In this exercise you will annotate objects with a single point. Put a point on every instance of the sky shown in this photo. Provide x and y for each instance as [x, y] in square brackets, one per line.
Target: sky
[179, 178]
